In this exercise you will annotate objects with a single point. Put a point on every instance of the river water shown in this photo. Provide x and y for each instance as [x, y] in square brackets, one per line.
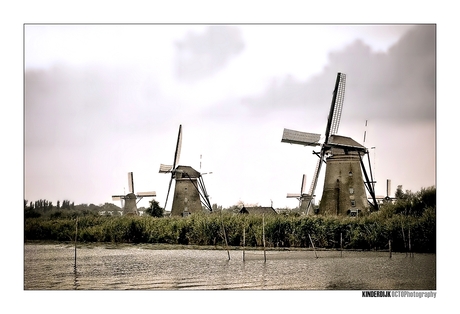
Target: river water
[143, 267]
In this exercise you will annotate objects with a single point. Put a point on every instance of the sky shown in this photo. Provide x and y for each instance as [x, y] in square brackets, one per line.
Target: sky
[102, 100]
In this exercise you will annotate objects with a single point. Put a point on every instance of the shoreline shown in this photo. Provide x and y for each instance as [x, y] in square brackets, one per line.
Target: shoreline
[165, 246]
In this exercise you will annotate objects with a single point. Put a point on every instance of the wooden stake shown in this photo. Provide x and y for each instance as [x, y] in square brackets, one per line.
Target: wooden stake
[404, 239]
[410, 247]
[341, 248]
[225, 235]
[75, 255]
[244, 239]
[263, 236]
[389, 246]
[311, 241]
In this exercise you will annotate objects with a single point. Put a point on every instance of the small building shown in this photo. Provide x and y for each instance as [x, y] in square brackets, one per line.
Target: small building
[258, 210]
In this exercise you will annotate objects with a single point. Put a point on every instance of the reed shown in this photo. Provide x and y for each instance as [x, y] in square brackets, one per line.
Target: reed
[284, 231]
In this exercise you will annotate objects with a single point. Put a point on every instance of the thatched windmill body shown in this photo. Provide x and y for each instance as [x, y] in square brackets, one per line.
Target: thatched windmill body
[346, 179]
[190, 193]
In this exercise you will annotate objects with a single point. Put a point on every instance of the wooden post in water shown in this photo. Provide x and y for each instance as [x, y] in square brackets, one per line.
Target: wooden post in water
[410, 247]
[404, 239]
[311, 241]
[341, 248]
[244, 239]
[225, 235]
[263, 236]
[389, 247]
[75, 255]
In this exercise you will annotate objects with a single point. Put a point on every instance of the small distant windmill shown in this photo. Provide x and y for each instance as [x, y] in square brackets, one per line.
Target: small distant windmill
[189, 192]
[387, 198]
[304, 198]
[344, 191]
[130, 200]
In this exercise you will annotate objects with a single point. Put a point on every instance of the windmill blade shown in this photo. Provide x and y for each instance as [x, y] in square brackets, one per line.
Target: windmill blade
[130, 182]
[302, 187]
[165, 168]
[301, 138]
[315, 176]
[315, 180]
[178, 148]
[167, 195]
[335, 111]
[388, 187]
[146, 194]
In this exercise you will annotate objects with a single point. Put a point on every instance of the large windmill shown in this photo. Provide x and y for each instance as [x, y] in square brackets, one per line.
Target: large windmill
[130, 200]
[344, 191]
[302, 197]
[189, 192]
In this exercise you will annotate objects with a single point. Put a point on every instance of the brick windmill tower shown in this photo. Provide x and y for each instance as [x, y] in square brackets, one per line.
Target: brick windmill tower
[346, 179]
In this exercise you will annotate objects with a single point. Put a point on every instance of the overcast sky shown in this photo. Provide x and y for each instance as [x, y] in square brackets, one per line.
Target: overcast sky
[104, 100]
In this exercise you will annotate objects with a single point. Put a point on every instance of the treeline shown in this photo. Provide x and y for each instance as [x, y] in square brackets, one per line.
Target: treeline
[46, 208]
[409, 222]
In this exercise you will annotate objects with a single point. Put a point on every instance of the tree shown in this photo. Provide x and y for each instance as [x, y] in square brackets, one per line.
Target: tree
[154, 209]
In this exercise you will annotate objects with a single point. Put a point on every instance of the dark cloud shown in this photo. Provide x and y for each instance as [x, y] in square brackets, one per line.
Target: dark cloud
[398, 85]
[202, 55]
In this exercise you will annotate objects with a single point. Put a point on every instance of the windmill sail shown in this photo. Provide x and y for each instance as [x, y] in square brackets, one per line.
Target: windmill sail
[130, 182]
[333, 121]
[165, 168]
[178, 147]
[335, 111]
[172, 169]
[301, 138]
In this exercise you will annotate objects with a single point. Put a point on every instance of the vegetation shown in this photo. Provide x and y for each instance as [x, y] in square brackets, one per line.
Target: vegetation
[154, 209]
[410, 219]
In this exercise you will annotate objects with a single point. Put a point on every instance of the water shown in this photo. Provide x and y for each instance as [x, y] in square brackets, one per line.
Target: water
[141, 267]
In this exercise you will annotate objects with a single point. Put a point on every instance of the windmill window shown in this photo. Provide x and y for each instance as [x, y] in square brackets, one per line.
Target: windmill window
[350, 174]
[351, 190]
[353, 203]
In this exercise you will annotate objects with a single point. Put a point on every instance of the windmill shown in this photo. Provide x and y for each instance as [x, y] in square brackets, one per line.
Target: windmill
[130, 200]
[304, 198]
[189, 191]
[387, 198]
[344, 191]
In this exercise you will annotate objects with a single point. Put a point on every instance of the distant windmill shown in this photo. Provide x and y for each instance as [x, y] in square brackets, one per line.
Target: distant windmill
[189, 192]
[304, 198]
[387, 198]
[344, 191]
[130, 200]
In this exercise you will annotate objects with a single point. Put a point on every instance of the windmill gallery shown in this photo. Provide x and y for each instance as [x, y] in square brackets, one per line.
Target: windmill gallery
[347, 183]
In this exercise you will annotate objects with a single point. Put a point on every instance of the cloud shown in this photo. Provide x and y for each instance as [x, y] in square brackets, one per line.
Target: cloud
[201, 55]
[397, 86]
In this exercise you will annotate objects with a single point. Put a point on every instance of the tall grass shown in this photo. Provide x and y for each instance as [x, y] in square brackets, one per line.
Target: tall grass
[370, 232]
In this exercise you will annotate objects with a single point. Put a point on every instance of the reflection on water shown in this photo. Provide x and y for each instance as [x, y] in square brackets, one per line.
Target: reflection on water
[135, 267]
